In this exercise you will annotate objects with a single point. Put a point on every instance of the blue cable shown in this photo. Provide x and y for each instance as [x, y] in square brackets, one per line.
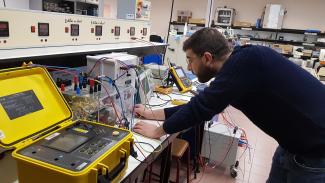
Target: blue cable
[110, 81]
[59, 67]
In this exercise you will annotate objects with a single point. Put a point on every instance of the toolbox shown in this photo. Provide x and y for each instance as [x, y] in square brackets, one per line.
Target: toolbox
[48, 145]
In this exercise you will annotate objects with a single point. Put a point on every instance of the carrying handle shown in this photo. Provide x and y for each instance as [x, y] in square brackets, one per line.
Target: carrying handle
[109, 176]
[114, 173]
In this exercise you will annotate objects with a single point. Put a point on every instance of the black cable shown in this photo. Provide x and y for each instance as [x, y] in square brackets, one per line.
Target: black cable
[162, 104]
[119, 95]
[210, 10]
[168, 100]
[146, 143]
[122, 108]
[170, 20]
[121, 75]
[4, 3]
[233, 139]
[156, 51]
[215, 142]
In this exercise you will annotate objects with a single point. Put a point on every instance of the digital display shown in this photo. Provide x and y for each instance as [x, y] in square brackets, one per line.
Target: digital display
[145, 31]
[43, 29]
[98, 30]
[180, 73]
[132, 31]
[117, 31]
[67, 142]
[74, 29]
[4, 29]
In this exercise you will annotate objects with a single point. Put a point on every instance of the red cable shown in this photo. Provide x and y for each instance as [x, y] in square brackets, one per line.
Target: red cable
[113, 105]
[140, 151]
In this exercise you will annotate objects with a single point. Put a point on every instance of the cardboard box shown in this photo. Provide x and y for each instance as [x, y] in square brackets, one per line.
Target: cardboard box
[196, 21]
[307, 53]
[183, 15]
[242, 24]
[287, 49]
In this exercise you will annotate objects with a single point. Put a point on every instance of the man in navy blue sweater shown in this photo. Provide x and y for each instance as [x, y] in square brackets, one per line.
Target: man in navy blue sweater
[282, 99]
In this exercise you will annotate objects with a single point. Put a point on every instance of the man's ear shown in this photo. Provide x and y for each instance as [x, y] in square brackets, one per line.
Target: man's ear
[208, 58]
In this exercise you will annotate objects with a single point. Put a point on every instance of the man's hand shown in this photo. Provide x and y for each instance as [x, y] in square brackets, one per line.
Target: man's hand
[148, 130]
[141, 111]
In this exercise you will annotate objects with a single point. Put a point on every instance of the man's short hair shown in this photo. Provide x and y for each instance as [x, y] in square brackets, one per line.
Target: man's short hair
[208, 40]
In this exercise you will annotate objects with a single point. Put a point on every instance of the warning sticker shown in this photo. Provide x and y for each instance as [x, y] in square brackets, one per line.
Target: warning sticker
[52, 136]
[20, 104]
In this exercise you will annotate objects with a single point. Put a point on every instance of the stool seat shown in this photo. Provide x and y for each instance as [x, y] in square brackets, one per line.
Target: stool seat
[179, 147]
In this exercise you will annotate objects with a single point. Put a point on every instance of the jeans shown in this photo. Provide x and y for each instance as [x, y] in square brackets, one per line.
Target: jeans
[290, 168]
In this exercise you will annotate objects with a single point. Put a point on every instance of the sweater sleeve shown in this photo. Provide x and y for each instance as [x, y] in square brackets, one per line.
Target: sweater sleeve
[171, 110]
[239, 76]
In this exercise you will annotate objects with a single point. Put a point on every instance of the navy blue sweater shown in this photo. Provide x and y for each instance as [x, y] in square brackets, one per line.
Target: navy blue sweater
[281, 98]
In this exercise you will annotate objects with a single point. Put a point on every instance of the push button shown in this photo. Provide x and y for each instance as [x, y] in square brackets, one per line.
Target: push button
[115, 133]
[32, 29]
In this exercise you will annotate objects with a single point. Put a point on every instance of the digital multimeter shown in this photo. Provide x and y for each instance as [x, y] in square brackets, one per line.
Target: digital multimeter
[182, 82]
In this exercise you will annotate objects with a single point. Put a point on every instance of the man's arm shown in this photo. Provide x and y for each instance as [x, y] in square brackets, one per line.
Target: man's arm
[157, 114]
[240, 76]
[141, 111]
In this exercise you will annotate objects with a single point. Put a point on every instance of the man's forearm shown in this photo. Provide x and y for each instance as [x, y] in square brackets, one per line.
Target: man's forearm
[158, 114]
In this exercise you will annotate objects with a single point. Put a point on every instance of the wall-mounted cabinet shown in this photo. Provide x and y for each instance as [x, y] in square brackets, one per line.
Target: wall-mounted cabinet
[81, 7]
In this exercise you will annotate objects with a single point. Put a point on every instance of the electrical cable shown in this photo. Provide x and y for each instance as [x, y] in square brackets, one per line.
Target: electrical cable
[136, 96]
[243, 131]
[154, 151]
[121, 102]
[97, 61]
[233, 139]
[154, 117]
[57, 67]
[244, 138]
[140, 151]
[126, 124]
[169, 100]
[158, 105]
[232, 121]
[210, 11]
[181, 94]
[155, 50]
[111, 100]
[150, 108]
[170, 19]
[63, 69]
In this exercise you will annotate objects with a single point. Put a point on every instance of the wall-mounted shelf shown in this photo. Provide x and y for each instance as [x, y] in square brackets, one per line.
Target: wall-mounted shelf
[295, 43]
[58, 51]
[82, 7]
[292, 31]
[189, 24]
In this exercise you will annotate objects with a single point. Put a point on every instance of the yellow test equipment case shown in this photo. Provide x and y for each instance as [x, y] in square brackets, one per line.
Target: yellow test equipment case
[182, 82]
[48, 146]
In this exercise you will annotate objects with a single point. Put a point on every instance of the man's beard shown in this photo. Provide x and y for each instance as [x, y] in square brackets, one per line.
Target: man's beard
[204, 74]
